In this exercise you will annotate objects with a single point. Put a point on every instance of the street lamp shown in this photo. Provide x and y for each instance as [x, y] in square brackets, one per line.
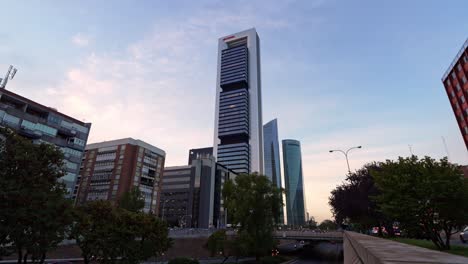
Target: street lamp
[346, 154]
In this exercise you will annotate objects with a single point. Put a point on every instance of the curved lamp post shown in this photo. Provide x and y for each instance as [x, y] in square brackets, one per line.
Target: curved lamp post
[345, 153]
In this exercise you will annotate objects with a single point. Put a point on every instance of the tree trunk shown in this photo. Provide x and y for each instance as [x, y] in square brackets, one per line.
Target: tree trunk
[42, 258]
[85, 259]
[448, 234]
[25, 258]
[20, 255]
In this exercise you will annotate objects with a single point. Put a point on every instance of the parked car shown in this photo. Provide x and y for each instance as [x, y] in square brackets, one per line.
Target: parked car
[464, 235]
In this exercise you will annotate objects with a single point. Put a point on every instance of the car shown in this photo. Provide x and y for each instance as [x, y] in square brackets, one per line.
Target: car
[464, 235]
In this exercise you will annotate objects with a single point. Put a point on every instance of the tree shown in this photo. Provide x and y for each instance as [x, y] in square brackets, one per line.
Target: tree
[133, 200]
[424, 193]
[34, 215]
[353, 201]
[106, 233]
[253, 203]
[327, 225]
[312, 224]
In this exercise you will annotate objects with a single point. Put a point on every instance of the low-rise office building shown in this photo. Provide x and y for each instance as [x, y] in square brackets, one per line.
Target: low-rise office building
[42, 124]
[111, 168]
[191, 195]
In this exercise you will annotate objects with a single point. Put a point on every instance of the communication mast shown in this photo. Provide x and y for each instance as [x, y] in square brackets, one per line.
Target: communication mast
[8, 76]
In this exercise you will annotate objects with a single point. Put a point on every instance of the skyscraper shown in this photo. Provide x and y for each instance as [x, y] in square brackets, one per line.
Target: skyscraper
[294, 182]
[238, 143]
[455, 80]
[272, 156]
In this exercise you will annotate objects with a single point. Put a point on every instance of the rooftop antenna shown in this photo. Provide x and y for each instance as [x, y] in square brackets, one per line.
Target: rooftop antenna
[8, 76]
[410, 149]
[446, 148]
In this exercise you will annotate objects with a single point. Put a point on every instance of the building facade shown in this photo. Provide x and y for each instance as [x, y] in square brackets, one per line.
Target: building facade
[272, 156]
[42, 124]
[294, 182]
[111, 168]
[238, 142]
[191, 195]
[199, 153]
[455, 81]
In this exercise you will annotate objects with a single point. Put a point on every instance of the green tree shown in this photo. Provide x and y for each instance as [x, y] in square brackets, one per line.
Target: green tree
[253, 203]
[352, 202]
[34, 215]
[217, 242]
[106, 233]
[424, 193]
[133, 200]
[312, 224]
[328, 225]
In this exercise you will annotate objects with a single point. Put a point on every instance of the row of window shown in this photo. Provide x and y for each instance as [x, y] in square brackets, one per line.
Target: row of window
[72, 152]
[39, 127]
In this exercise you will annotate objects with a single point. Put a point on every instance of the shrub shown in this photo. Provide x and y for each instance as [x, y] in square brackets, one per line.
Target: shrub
[183, 261]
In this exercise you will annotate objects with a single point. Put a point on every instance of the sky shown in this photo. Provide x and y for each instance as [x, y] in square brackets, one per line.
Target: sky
[336, 74]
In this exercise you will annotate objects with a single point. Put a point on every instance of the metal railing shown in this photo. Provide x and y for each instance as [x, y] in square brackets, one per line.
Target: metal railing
[452, 65]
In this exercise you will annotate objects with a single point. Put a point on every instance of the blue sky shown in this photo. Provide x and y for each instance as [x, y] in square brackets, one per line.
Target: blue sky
[335, 73]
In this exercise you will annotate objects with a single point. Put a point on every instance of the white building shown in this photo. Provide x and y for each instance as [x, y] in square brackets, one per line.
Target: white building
[238, 136]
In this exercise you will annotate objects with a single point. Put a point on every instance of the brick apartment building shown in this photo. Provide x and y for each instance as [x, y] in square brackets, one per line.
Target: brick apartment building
[111, 168]
[455, 81]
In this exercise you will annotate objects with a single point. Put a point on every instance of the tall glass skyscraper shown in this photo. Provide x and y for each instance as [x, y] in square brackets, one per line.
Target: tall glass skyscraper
[294, 181]
[238, 142]
[272, 156]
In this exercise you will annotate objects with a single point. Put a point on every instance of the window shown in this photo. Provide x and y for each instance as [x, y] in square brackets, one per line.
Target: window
[459, 67]
[466, 130]
[448, 82]
[463, 99]
[39, 127]
[458, 87]
[11, 119]
[454, 76]
[463, 79]
[72, 152]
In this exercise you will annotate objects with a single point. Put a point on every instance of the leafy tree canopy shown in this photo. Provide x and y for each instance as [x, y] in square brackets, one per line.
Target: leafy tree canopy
[253, 203]
[34, 215]
[133, 200]
[424, 193]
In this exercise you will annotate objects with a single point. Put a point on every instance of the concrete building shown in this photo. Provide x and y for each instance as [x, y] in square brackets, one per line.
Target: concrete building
[42, 124]
[455, 80]
[191, 195]
[111, 168]
[199, 153]
[294, 182]
[238, 142]
[271, 152]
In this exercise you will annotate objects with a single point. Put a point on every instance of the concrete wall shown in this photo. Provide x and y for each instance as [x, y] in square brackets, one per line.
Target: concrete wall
[359, 248]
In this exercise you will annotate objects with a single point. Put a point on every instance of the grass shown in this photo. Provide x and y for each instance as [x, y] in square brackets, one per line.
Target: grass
[454, 249]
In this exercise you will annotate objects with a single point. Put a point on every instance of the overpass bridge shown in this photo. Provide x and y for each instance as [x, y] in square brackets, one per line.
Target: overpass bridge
[307, 235]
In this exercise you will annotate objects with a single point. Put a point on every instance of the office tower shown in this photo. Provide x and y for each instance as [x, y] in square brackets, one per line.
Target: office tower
[42, 124]
[294, 182]
[199, 153]
[111, 168]
[272, 156]
[238, 142]
[191, 195]
[456, 86]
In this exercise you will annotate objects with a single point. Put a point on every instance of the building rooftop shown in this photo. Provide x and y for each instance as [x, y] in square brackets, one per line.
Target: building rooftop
[31, 102]
[460, 52]
[124, 141]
